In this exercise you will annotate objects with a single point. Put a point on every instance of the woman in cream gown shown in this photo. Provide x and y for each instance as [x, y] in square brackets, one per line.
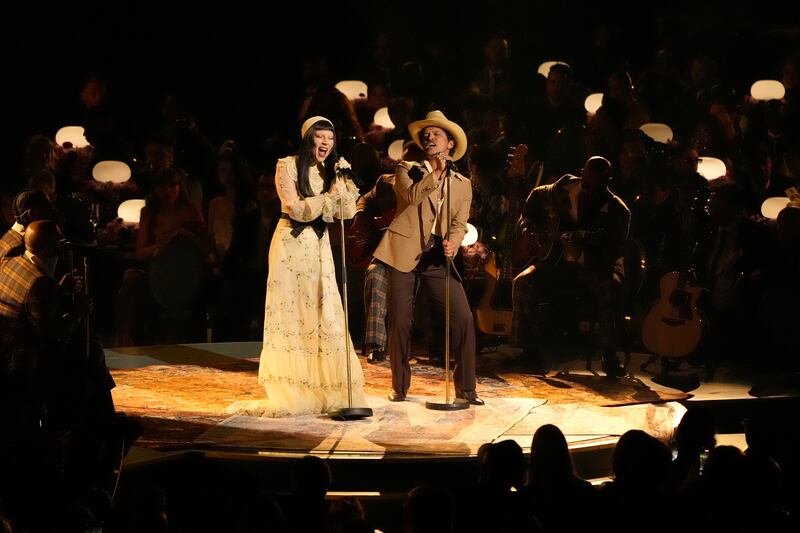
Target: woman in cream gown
[302, 367]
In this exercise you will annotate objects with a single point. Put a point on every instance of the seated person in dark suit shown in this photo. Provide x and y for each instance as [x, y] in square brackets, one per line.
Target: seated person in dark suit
[592, 226]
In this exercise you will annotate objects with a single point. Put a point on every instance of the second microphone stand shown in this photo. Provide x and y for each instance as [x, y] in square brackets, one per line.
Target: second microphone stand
[456, 404]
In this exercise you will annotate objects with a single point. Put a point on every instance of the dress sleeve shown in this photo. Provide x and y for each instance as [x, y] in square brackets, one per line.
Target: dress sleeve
[301, 209]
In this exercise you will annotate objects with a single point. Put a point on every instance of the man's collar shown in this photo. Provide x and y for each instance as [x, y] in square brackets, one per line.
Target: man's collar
[19, 228]
[36, 261]
[429, 168]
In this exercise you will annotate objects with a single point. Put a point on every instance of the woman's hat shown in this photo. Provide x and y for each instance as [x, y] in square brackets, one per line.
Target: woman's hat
[310, 122]
[437, 118]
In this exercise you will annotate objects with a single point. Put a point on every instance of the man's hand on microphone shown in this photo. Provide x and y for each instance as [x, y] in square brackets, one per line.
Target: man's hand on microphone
[441, 163]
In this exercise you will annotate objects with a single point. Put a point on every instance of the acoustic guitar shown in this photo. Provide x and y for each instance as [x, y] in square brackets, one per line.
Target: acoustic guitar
[673, 327]
[362, 245]
[545, 245]
[494, 311]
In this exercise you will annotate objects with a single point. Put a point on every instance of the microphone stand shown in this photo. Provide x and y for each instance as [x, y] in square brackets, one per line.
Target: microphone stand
[349, 412]
[458, 403]
[89, 312]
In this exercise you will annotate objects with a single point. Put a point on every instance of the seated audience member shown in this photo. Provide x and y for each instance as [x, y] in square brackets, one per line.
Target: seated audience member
[496, 502]
[169, 222]
[233, 225]
[553, 490]
[428, 510]
[29, 206]
[58, 387]
[159, 155]
[640, 466]
[694, 438]
[307, 509]
[728, 497]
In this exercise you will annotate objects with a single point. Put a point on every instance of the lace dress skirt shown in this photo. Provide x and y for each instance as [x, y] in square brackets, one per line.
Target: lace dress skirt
[303, 367]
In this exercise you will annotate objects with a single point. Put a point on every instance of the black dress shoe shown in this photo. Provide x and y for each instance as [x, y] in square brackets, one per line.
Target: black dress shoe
[395, 396]
[612, 367]
[470, 396]
[376, 356]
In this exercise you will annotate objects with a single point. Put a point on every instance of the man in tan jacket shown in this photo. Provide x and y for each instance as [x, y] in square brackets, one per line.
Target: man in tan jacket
[422, 236]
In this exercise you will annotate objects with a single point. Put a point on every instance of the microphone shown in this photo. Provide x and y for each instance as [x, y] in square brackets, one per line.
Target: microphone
[344, 169]
[451, 165]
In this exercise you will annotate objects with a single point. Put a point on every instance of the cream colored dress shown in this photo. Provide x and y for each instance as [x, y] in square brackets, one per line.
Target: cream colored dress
[302, 366]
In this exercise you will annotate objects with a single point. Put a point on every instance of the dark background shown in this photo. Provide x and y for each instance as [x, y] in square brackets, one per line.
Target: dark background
[236, 65]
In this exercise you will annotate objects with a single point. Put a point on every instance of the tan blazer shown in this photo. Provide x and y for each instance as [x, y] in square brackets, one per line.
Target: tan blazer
[401, 246]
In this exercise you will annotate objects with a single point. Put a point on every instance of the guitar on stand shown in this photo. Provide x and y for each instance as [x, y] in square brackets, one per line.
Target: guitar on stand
[494, 311]
[673, 327]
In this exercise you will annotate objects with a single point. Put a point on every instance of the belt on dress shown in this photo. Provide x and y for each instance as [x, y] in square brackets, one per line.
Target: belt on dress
[318, 225]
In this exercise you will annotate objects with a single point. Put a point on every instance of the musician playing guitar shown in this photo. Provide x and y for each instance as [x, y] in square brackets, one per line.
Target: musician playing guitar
[556, 224]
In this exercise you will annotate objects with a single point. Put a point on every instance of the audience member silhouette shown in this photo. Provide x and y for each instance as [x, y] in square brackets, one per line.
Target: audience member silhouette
[559, 499]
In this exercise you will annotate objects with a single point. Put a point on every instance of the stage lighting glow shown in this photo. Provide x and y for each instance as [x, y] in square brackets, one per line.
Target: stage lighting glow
[657, 131]
[382, 119]
[353, 89]
[130, 210]
[544, 68]
[471, 237]
[593, 103]
[767, 90]
[74, 135]
[772, 206]
[111, 172]
[396, 150]
[711, 168]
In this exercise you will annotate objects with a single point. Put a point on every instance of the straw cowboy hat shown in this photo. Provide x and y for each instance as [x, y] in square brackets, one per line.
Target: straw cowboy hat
[437, 118]
[310, 122]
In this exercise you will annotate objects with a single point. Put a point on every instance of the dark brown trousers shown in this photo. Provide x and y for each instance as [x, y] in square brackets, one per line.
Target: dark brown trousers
[431, 276]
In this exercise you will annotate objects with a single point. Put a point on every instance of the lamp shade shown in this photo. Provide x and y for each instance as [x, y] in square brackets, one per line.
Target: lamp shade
[111, 172]
[711, 168]
[593, 103]
[382, 119]
[352, 89]
[544, 68]
[657, 131]
[772, 206]
[396, 150]
[129, 210]
[767, 90]
[73, 135]
[471, 237]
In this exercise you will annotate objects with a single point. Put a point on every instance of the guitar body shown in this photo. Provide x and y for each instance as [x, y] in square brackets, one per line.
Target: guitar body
[361, 248]
[537, 248]
[494, 313]
[674, 325]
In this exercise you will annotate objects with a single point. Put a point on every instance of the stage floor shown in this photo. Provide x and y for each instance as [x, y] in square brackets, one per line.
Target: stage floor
[184, 395]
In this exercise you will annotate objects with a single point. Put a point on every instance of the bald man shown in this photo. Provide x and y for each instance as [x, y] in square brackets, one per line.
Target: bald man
[588, 225]
[28, 292]
[29, 206]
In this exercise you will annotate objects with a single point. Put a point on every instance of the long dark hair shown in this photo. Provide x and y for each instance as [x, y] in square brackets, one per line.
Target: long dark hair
[165, 177]
[550, 461]
[306, 158]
